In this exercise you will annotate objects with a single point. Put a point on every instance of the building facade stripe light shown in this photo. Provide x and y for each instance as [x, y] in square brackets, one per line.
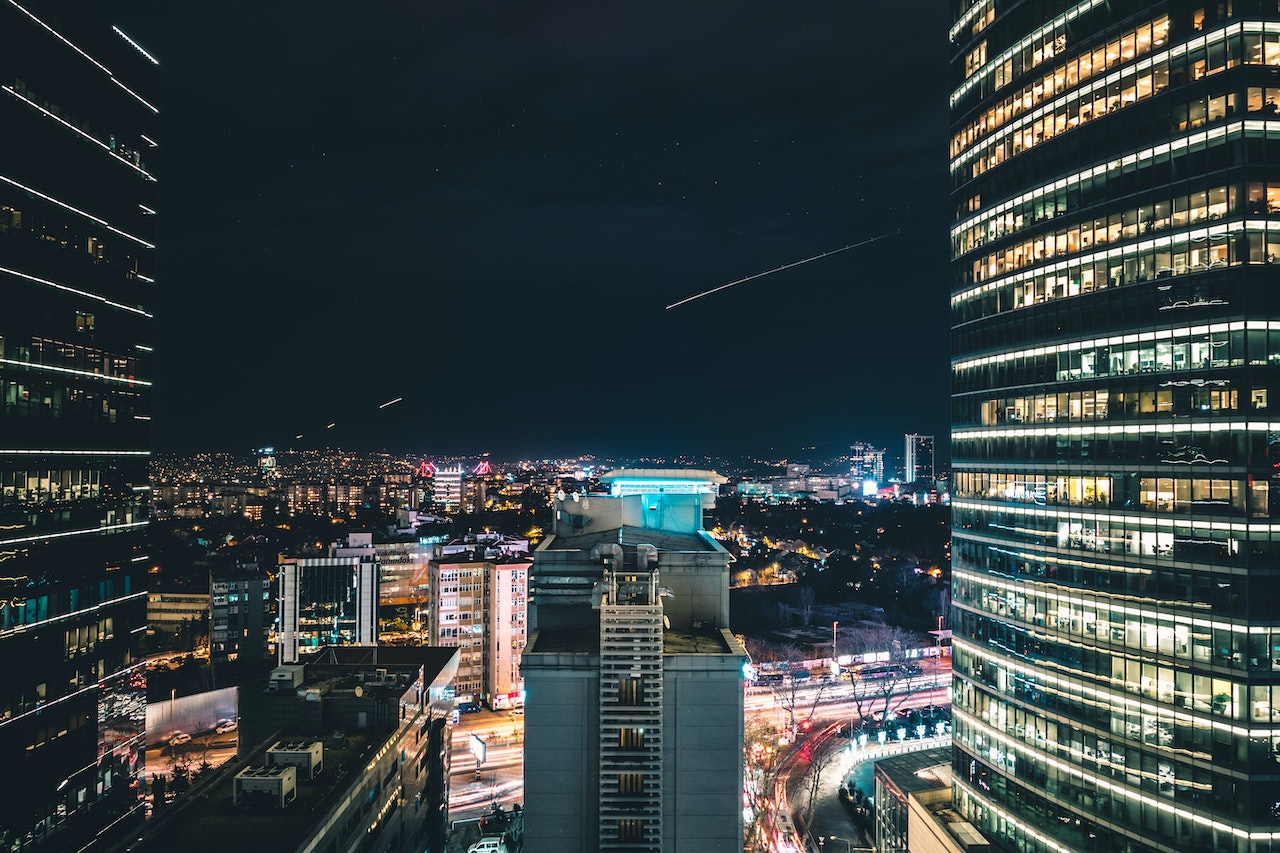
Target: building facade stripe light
[967, 17]
[1199, 137]
[59, 36]
[71, 371]
[77, 130]
[1144, 337]
[86, 294]
[149, 140]
[62, 204]
[1103, 783]
[9, 451]
[135, 45]
[1064, 18]
[138, 97]
[108, 528]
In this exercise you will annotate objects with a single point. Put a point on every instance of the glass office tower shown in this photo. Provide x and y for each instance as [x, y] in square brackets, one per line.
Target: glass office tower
[1116, 339]
[77, 206]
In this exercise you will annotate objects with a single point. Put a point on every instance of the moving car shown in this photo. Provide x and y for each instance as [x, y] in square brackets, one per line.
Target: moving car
[179, 738]
[492, 844]
[225, 726]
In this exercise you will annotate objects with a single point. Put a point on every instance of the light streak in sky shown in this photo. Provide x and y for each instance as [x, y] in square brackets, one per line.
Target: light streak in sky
[391, 402]
[783, 267]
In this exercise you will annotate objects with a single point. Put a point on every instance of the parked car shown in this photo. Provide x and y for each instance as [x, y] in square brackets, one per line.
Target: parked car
[225, 726]
[179, 738]
[468, 707]
[492, 844]
[519, 712]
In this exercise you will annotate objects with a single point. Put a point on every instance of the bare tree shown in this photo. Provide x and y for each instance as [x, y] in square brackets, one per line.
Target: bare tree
[792, 690]
[890, 679]
[805, 604]
[820, 760]
[760, 753]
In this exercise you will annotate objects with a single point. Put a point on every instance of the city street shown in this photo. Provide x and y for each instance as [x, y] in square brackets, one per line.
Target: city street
[501, 777]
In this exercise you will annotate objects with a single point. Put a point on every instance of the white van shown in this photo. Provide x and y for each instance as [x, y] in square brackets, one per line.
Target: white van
[491, 844]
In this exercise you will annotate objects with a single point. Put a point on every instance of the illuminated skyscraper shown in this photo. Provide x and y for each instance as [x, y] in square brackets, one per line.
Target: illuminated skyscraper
[77, 204]
[1116, 169]
[918, 459]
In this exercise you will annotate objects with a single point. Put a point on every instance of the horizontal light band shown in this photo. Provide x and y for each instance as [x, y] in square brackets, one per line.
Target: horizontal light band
[969, 15]
[1126, 429]
[77, 130]
[71, 371]
[135, 45]
[1008, 53]
[85, 214]
[60, 37]
[1082, 91]
[86, 294]
[1070, 514]
[108, 528]
[1200, 137]
[1104, 601]
[1106, 784]
[8, 451]
[1141, 337]
[139, 98]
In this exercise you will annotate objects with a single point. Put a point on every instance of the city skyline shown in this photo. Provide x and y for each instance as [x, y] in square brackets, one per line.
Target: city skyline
[480, 209]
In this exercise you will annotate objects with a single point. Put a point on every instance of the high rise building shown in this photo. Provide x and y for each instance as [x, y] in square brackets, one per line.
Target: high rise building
[866, 462]
[77, 205]
[447, 488]
[917, 459]
[1116, 512]
[633, 681]
[240, 612]
[331, 600]
[478, 605]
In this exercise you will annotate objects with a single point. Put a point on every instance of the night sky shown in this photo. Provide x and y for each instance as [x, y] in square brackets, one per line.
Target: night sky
[483, 208]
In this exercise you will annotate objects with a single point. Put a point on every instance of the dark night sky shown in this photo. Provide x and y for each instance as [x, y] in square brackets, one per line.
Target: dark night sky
[484, 208]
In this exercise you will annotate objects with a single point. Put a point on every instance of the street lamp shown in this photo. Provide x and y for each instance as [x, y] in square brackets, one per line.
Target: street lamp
[848, 845]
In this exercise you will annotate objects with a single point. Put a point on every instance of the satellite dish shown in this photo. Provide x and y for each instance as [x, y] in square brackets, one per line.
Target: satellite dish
[666, 623]
[359, 691]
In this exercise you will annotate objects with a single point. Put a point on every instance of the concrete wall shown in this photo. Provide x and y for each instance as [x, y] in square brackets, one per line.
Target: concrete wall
[561, 752]
[702, 760]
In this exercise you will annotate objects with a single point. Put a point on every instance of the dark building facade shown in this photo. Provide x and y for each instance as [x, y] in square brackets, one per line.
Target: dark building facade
[77, 206]
[240, 612]
[1116, 334]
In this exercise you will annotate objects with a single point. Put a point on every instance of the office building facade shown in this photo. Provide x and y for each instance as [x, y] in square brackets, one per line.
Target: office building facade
[1116, 514]
[330, 600]
[633, 681]
[77, 205]
[917, 459]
